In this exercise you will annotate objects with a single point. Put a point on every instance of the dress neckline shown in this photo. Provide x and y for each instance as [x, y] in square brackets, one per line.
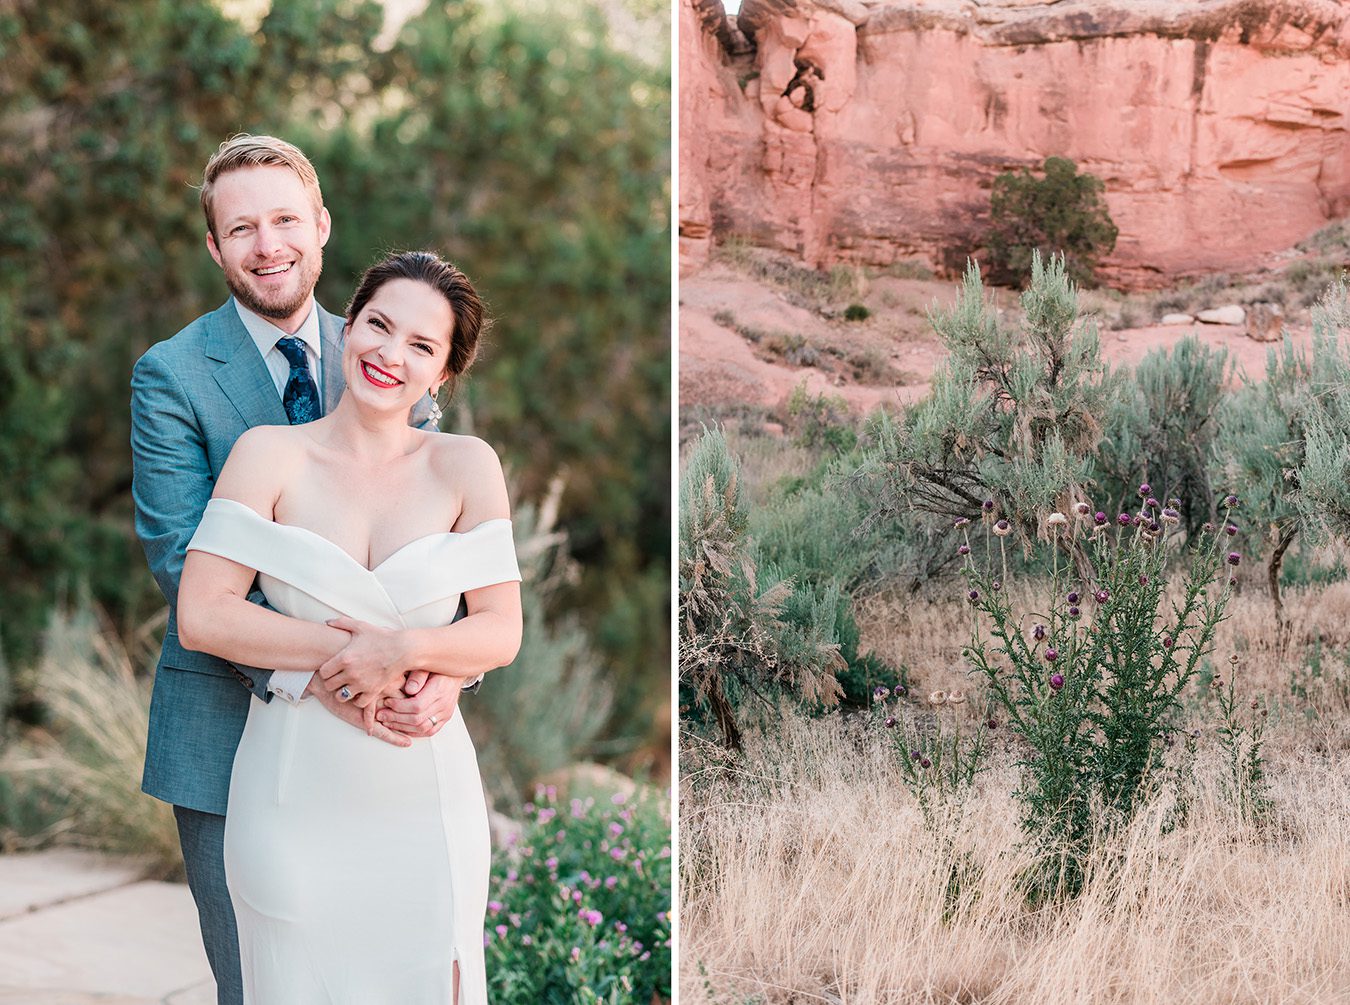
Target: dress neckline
[370, 570]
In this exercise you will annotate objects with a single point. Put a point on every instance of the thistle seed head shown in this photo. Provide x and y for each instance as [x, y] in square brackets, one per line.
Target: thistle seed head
[1056, 520]
[936, 698]
[1082, 508]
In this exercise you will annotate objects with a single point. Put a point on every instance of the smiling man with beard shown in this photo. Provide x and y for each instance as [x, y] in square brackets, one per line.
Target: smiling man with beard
[269, 356]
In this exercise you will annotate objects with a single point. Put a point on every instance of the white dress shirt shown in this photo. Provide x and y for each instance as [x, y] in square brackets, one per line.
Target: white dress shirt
[286, 684]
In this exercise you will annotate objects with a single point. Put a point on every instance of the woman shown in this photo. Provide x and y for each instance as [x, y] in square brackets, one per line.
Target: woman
[357, 869]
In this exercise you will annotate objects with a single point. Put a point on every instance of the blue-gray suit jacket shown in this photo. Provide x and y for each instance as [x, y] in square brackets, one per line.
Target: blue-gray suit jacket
[192, 396]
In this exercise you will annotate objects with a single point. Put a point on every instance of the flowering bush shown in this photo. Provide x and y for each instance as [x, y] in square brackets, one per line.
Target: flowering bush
[1092, 684]
[581, 904]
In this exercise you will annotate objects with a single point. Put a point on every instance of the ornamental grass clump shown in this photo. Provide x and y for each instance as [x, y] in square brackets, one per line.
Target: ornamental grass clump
[1091, 683]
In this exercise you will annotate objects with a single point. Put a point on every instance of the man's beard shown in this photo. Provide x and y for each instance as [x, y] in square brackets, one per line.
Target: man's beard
[279, 310]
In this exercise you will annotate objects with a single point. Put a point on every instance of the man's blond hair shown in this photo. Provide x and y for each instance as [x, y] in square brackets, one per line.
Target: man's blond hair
[244, 151]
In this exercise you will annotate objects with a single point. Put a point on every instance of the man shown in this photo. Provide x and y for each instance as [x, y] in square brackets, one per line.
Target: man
[269, 356]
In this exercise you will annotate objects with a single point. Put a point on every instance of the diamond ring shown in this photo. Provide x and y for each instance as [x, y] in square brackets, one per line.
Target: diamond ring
[345, 694]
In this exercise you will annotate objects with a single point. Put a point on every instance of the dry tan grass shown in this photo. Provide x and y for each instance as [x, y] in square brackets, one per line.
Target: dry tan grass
[807, 876]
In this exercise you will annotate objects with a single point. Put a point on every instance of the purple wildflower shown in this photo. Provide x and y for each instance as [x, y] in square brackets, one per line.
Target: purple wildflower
[1231, 529]
[881, 692]
[1074, 612]
[1003, 528]
[1145, 490]
[1143, 580]
[1051, 655]
[1234, 558]
[961, 521]
[1038, 633]
[1082, 509]
[1151, 503]
[925, 763]
[915, 755]
[1099, 518]
[1168, 642]
[987, 506]
[1208, 527]
[963, 550]
[1102, 595]
[1230, 501]
[996, 586]
[1056, 681]
[891, 721]
[1073, 596]
[974, 595]
[1124, 519]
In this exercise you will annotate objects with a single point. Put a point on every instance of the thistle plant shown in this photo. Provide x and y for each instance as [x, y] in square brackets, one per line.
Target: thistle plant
[1241, 737]
[1091, 683]
[938, 760]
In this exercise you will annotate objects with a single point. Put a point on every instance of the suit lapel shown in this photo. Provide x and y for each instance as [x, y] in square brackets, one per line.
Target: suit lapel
[242, 375]
[330, 334]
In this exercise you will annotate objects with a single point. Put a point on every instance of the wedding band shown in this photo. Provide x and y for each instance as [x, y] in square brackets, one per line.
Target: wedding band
[432, 720]
[345, 694]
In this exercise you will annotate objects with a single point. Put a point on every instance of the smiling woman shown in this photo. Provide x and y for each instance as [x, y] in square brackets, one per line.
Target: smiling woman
[363, 532]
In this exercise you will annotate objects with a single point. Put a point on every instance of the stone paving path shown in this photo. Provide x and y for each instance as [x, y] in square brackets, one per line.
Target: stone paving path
[77, 928]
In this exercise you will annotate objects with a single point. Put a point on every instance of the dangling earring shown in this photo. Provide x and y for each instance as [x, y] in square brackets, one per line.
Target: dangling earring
[436, 412]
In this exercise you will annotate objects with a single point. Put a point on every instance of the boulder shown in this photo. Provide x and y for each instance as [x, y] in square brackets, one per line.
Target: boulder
[1228, 314]
[1177, 319]
[1265, 322]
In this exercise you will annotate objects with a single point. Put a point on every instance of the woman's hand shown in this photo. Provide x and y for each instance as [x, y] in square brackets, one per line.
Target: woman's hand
[426, 703]
[371, 665]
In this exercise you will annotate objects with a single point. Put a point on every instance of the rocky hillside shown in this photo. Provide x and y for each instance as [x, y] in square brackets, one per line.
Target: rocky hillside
[870, 131]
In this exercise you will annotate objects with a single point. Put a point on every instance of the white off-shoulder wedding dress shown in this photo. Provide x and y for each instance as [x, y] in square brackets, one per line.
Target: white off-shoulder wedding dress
[358, 870]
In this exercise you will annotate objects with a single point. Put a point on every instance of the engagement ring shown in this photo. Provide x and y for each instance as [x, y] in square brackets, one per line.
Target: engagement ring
[345, 694]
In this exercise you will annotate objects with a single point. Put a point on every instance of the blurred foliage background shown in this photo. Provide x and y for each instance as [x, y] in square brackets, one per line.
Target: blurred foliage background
[528, 142]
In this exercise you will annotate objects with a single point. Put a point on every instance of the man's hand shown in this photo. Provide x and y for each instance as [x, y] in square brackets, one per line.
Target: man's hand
[370, 665]
[353, 716]
[431, 701]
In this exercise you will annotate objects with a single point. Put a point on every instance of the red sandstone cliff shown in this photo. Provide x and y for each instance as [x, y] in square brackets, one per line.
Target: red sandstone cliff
[871, 131]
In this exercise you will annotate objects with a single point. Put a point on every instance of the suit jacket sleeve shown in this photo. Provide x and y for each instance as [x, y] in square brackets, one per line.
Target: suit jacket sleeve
[171, 479]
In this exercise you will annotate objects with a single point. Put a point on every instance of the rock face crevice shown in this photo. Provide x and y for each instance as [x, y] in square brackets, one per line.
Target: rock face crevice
[871, 132]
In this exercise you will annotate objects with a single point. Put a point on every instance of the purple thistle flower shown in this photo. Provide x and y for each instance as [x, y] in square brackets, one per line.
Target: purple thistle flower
[915, 755]
[1038, 633]
[1231, 529]
[1143, 580]
[961, 521]
[1208, 527]
[1074, 612]
[880, 692]
[1153, 527]
[1171, 516]
[963, 550]
[1056, 681]
[974, 595]
[1102, 595]
[996, 586]
[1151, 503]
[1082, 509]
[1174, 502]
[992, 723]
[987, 505]
[900, 691]
[1168, 642]
[925, 763]
[1099, 518]
[1003, 528]
[1234, 558]
[1230, 501]
[1051, 655]
[1124, 519]
[891, 721]
[1145, 490]
[1073, 597]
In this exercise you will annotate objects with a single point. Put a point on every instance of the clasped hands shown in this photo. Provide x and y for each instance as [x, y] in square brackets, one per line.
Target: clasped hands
[388, 700]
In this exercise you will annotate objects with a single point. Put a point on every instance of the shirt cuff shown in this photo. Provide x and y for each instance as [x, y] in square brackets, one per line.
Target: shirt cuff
[289, 685]
[472, 686]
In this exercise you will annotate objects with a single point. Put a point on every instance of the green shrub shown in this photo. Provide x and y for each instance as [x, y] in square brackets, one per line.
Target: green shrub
[856, 312]
[1163, 425]
[581, 904]
[1060, 213]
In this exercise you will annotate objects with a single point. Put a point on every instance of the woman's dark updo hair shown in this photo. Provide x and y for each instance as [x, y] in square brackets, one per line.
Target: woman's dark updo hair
[465, 306]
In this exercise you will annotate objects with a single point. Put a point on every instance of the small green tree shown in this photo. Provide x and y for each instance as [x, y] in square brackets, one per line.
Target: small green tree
[1062, 213]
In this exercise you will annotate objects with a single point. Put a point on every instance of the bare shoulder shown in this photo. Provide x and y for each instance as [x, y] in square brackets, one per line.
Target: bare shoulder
[470, 466]
[252, 474]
